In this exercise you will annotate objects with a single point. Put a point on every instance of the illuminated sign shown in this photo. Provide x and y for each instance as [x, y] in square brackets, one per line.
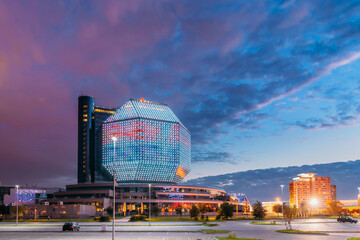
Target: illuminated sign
[176, 197]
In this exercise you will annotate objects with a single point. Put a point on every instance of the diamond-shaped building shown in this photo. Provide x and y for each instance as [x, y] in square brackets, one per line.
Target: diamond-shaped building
[149, 144]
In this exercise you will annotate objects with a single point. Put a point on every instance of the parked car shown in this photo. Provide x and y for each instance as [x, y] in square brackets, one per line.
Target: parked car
[343, 219]
[72, 226]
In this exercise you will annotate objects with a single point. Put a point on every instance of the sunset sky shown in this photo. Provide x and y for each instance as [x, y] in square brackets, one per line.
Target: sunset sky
[259, 84]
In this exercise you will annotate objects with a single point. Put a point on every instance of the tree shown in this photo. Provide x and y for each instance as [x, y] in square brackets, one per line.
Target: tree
[290, 213]
[303, 210]
[226, 210]
[259, 211]
[334, 207]
[155, 210]
[203, 210]
[21, 210]
[109, 211]
[277, 208]
[194, 211]
[179, 210]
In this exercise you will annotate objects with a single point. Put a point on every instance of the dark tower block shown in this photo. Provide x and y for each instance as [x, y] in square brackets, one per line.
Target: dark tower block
[85, 115]
[98, 172]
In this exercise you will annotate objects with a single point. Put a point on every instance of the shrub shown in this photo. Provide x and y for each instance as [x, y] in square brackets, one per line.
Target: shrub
[136, 218]
[104, 219]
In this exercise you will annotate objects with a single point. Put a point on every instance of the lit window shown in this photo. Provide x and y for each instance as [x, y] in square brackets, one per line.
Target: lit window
[85, 106]
[85, 120]
[85, 115]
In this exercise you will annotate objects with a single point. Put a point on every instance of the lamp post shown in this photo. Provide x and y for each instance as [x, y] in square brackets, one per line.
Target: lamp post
[313, 203]
[113, 223]
[282, 202]
[17, 204]
[149, 204]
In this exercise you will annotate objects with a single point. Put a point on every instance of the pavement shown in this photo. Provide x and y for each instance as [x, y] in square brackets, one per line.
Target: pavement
[178, 230]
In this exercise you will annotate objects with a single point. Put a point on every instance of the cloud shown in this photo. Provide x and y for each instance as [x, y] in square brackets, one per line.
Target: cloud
[213, 156]
[217, 65]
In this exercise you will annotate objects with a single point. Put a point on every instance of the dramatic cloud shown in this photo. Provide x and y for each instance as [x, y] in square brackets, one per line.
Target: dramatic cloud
[219, 65]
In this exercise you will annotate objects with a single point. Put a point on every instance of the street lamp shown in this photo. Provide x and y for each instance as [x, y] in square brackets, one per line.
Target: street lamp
[149, 204]
[17, 204]
[113, 228]
[282, 202]
[313, 202]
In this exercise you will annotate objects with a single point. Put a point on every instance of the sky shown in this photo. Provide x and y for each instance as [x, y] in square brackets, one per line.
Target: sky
[259, 84]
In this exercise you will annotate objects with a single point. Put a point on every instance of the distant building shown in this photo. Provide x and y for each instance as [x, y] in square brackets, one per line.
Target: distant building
[27, 195]
[309, 190]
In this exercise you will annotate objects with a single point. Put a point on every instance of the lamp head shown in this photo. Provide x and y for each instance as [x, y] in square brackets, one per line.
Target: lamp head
[114, 138]
[314, 202]
[17, 186]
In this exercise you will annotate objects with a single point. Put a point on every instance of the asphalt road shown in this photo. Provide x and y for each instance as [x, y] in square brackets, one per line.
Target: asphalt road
[179, 230]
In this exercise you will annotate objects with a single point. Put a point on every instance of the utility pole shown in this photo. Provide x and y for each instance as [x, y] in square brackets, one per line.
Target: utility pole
[282, 202]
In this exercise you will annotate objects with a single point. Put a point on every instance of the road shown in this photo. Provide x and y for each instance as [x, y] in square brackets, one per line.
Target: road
[179, 230]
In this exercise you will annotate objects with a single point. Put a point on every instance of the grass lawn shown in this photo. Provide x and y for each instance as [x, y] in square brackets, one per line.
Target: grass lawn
[353, 239]
[266, 223]
[213, 231]
[177, 219]
[294, 231]
[233, 237]
[91, 219]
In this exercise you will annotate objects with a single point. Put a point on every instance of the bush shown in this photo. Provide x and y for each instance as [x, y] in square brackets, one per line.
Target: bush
[218, 217]
[104, 219]
[136, 218]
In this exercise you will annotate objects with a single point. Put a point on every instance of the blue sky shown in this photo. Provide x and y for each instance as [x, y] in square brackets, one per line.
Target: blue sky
[258, 83]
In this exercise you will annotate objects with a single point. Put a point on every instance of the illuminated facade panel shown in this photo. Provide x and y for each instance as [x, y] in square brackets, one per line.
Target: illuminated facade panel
[152, 144]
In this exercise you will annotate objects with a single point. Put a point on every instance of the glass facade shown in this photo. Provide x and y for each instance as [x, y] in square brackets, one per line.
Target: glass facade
[152, 144]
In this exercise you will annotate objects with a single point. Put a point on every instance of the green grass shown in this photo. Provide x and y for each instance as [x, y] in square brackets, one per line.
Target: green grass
[177, 219]
[213, 231]
[353, 239]
[265, 223]
[294, 231]
[233, 237]
[90, 219]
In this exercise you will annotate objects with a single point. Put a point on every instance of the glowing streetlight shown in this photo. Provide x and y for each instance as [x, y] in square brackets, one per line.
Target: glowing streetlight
[17, 204]
[314, 202]
[113, 228]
